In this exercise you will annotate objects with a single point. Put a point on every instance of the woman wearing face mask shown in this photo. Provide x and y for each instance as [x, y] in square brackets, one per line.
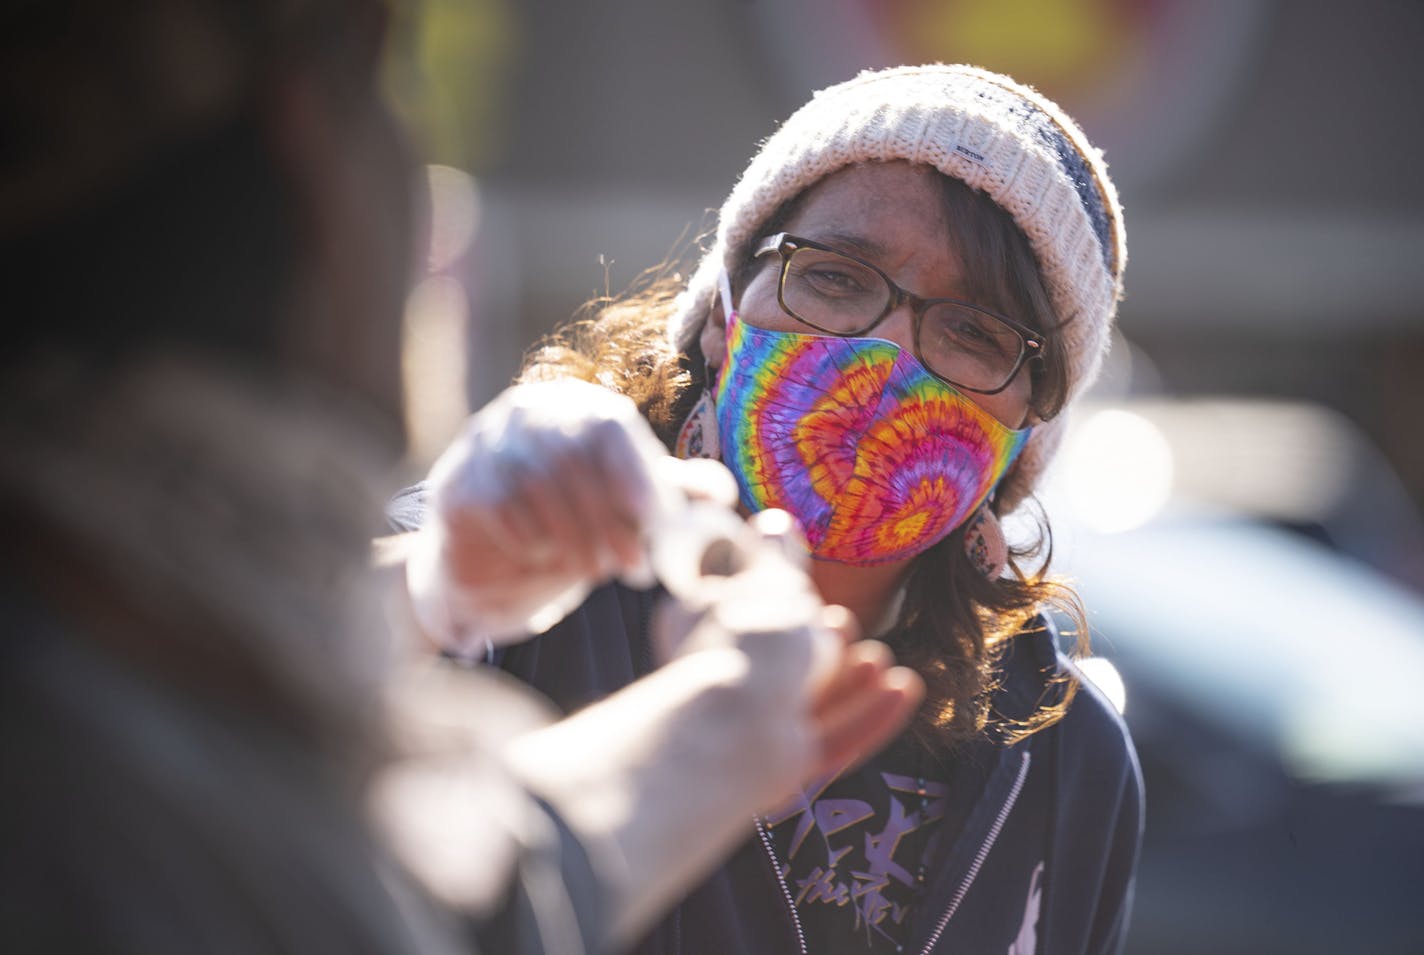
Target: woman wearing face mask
[913, 278]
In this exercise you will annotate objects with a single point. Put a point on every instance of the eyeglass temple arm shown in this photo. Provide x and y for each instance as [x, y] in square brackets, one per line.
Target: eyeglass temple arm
[771, 243]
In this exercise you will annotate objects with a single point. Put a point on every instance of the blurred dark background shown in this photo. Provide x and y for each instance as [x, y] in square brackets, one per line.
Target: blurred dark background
[1240, 501]
[1267, 153]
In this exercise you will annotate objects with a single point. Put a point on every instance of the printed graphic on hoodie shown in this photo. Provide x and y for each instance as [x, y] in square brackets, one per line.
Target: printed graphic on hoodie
[1026, 942]
[854, 853]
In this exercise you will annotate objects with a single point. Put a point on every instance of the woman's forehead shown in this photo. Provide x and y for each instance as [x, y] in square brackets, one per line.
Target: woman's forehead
[875, 191]
[891, 213]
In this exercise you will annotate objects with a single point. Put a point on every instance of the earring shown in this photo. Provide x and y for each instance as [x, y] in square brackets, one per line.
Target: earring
[984, 543]
[698, 436]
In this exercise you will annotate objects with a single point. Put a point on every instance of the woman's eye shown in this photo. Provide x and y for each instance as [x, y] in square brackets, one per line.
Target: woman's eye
[971, 334]
[969, 331]
[832, 278]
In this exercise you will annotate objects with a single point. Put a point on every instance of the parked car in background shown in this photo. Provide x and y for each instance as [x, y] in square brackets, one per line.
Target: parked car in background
[1273, 681]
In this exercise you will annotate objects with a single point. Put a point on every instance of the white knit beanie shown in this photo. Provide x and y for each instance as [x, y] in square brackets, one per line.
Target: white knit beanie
[997, 136]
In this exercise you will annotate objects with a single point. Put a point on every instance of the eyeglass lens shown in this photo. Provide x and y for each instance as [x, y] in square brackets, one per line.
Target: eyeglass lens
[839, 295]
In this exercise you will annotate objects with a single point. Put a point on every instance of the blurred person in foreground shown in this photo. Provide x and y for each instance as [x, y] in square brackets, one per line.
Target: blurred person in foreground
[912, 280]
[212, 741]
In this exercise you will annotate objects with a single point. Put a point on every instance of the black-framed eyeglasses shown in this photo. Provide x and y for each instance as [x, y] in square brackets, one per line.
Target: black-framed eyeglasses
[836, 293]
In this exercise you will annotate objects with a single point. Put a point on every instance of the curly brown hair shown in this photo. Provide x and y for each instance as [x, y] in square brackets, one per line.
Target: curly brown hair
[954, 623]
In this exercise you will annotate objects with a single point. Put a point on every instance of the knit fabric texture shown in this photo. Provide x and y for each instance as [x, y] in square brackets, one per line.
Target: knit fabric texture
[982, 128]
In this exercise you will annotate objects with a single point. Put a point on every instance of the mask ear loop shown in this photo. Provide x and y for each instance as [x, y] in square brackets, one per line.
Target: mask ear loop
[984, 542]
[699, 436]
[729, 312]
[724, 289]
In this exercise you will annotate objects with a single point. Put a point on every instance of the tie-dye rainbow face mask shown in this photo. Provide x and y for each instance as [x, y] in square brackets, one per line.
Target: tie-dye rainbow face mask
[877, 458]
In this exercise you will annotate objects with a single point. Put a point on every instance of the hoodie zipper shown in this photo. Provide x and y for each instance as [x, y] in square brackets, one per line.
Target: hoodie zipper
[989, 839]
[785, 890]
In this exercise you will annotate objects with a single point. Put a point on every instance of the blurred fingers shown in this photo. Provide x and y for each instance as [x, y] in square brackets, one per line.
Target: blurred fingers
[523, 511]
[602, 537]
[780, 529]
[865, 716]
[699, 479]
[860, 667]
[836, 618]
[626, 470]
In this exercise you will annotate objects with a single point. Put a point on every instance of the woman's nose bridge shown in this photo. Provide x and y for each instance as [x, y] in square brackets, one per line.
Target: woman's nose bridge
[898, 325]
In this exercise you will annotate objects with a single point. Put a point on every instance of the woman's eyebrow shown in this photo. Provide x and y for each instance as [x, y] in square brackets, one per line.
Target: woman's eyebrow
[856, 242]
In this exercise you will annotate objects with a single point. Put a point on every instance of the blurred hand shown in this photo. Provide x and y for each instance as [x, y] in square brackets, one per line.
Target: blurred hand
[762, 689]
[862, 703]
[844, 693]
[552, 477]
[547, 492]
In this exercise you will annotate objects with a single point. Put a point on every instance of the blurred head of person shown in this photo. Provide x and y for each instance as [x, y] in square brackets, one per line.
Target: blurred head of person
[205, 233]
[217, 176]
